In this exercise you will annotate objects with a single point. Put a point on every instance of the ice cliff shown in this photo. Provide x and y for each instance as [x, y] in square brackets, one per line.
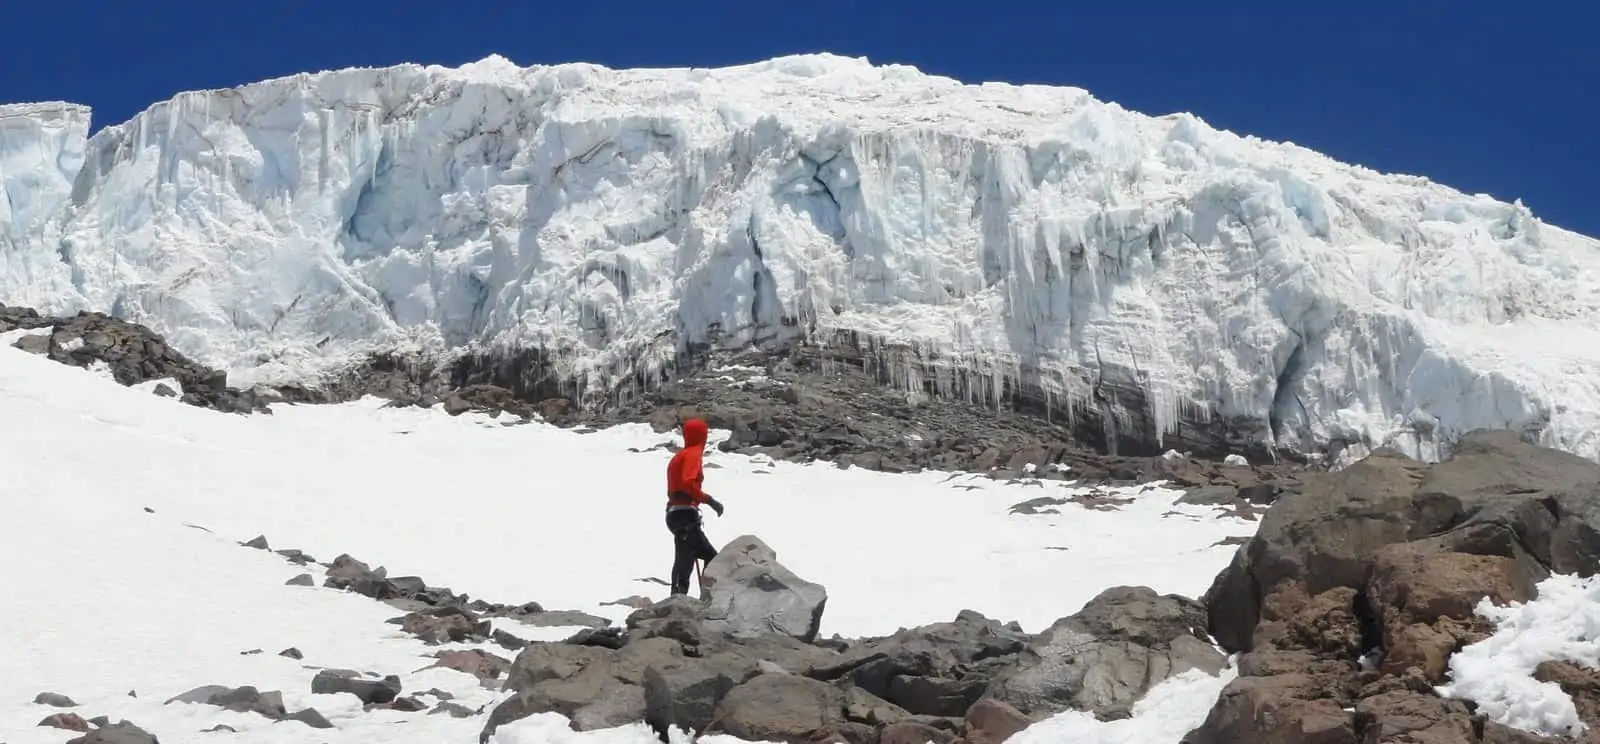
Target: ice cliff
[1170, 281]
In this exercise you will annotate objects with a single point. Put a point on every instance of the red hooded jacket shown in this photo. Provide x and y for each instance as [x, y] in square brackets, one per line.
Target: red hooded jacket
[684, 475]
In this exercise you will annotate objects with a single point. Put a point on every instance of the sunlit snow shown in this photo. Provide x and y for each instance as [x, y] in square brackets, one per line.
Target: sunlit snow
[1561, 624]
[121, 560]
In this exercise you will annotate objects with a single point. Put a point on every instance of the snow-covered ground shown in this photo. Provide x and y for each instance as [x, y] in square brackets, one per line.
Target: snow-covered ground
[119, 552]
[126, 584]
[280, 225]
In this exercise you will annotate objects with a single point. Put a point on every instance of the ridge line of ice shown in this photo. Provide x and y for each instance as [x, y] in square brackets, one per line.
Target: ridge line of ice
[276, 227]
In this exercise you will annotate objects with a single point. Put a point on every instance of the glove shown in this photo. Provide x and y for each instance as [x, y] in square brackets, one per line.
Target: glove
[715, 505]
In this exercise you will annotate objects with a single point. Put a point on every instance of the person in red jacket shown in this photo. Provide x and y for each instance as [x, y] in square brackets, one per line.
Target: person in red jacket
[684, 497]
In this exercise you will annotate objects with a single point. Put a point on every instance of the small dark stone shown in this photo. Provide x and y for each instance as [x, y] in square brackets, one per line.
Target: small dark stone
[54, 700]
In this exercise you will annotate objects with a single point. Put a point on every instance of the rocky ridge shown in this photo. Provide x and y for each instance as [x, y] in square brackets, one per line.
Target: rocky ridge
[761, 675]
[1349, 601]
[803, 403]
[133, 354]
[1345, 609]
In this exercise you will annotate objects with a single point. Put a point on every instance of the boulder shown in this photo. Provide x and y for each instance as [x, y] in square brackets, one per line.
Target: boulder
[370, 691]
[54, 700]
[1106, 656]
[781, 708]
[938, 669]
[476, 662]
[66, 722]
[749, 593]
[121, 732]
[595, 687]
[245, 699]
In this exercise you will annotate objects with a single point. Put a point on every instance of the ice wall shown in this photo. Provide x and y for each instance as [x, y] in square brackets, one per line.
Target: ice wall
[41, 151]
[614, 215]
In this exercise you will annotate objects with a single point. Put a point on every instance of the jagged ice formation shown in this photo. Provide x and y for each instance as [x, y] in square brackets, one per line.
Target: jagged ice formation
[986, 241]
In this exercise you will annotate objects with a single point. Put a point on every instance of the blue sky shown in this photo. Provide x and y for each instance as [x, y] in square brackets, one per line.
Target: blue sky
[1488, 97]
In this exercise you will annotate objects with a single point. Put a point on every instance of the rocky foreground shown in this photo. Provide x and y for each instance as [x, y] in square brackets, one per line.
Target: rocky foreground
[1344, 608]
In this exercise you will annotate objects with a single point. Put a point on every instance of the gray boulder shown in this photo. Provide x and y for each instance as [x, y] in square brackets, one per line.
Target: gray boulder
[594, 686]
[1107, 656]
[749, 593]
[937, 670]
[783, 708]
[121, 732]
[370, 691]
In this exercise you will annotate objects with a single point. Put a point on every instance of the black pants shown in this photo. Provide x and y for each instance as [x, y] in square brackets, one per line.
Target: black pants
[689, 544]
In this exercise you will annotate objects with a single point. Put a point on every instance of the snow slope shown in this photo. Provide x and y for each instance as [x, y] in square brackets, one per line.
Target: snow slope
[105, 596]
[618, 214]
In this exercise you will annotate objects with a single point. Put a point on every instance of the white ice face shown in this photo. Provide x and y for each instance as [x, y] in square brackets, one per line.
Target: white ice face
[1023, 230]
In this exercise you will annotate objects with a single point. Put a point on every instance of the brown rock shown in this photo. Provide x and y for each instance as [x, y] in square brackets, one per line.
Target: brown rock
[1423, 582]
[1582, 684]
[992, 722]
[1281, 709]
[1418, 717]
[780, 708]
[67, 721]
[476, 662]
[911, 732]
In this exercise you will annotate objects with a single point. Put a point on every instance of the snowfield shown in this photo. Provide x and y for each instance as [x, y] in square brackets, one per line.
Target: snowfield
[128, 586]
[121, 552]
[278, 227]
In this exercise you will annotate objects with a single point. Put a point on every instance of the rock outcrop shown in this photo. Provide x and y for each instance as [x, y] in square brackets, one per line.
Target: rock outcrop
[134, 354]
[1353, 594]
[762, 674]
[749, 593]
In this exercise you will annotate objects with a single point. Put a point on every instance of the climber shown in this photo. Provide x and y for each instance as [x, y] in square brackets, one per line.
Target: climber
[684, 497]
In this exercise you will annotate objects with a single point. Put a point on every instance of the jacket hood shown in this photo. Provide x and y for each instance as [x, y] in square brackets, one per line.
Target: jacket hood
[694, 432]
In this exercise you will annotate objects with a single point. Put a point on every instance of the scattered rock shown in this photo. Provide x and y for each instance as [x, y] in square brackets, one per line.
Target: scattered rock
[292, 653]
[133, 354]
[480, 664]
[54, 700]
[297, 557]
[507, 641]
[402, 704]
[310, 717]
[444, 625]
[121, 732]
[246, 699]
[635, 602]
[66, 721]
[220, 728]
[564, 618]
[304, 579]
[335, 681]
[454, 710]
[259, 542]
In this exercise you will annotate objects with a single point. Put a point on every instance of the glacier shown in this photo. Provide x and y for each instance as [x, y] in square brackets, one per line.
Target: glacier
[1156, 279]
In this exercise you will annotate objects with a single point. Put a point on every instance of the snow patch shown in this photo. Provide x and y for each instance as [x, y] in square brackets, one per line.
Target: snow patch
[1561, 624]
